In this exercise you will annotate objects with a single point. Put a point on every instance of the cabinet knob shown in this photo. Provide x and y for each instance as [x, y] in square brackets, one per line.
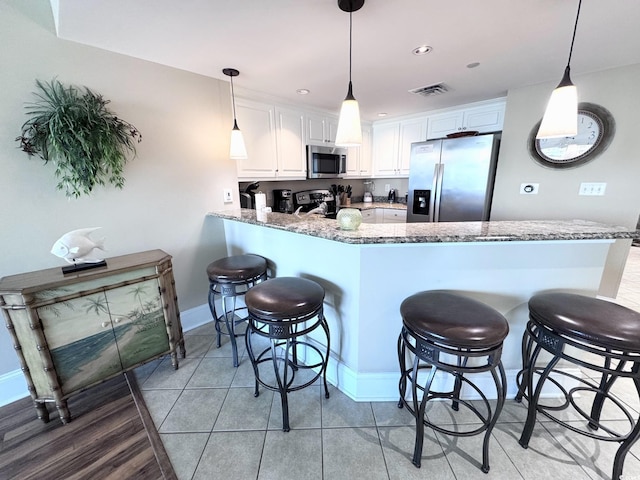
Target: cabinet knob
[117, 320]
[105, 324]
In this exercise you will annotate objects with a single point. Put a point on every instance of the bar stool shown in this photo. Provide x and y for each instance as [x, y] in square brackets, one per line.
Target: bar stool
[448, 333]
[229, 278]
[285, 311]
[603, 338]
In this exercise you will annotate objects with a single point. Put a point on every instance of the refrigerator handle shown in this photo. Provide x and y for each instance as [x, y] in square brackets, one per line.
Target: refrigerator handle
[437, 188]
[433, 205]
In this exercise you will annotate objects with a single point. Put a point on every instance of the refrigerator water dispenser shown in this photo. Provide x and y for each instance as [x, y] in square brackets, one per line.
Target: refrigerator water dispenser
[421, 200]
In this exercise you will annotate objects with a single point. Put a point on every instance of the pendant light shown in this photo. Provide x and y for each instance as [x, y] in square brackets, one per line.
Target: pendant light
[238, 151]
[349, 132]
[561, 116]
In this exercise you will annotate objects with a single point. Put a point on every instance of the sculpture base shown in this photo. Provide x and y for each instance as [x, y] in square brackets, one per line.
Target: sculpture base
[79, 267]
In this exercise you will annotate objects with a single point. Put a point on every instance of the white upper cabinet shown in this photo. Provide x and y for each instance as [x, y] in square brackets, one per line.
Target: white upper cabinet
[257, 123]
[359, 158]
[483, 119]
[291, 144]
[392, 146]
[275, 142]
[321, 129]
[385, 149]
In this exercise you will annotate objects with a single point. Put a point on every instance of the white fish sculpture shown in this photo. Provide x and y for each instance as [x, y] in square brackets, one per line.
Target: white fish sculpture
[74, 246]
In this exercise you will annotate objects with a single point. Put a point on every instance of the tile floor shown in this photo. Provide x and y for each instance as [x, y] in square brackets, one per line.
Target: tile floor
[213, 427]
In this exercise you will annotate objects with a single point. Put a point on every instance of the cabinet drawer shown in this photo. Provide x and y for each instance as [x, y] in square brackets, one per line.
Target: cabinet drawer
[391, 215]
[369, 216]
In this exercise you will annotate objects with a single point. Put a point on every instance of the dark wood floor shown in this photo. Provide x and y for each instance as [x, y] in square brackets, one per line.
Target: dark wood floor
[106, 438]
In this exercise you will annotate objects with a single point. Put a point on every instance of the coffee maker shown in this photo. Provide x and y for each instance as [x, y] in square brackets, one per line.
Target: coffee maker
[283, 201]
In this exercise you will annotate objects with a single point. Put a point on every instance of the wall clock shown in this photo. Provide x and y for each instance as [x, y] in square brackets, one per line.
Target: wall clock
[596, 128]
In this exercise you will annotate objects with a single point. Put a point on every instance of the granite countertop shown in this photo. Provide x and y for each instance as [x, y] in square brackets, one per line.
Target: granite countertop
[391, 233]
[372, 205]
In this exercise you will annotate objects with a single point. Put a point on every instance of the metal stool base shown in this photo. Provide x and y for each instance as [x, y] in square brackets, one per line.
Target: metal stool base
[614, 365]
[227, 320]
[427, 356]
[285, 336]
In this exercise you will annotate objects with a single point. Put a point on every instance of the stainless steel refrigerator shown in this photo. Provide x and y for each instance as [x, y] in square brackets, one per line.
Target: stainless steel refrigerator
[451, 180]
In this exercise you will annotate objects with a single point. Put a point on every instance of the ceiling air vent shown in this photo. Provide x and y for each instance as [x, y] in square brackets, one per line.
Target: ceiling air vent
[430, 90]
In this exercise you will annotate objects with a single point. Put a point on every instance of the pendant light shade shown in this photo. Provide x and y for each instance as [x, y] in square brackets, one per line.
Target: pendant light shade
[349, 132]
[561, 116]
[238, 151]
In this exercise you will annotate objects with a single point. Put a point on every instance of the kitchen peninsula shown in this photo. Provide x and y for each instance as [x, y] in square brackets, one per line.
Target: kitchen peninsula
[367, 273]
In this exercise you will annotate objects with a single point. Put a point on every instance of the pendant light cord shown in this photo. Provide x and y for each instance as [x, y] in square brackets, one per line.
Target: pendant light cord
[350, 40]
[575, 27]
[233, 97]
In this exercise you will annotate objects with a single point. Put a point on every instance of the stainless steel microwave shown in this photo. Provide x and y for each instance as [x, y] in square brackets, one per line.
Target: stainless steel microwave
[326, 162]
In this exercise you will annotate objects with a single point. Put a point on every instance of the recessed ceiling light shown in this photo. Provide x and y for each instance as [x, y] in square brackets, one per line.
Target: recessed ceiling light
[421, 50]
[473, 65]
[382, 114]
[302, 91]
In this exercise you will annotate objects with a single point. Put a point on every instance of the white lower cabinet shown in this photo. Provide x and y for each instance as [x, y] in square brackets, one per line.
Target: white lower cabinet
[384, 215]
[393, 215]
[369, 216]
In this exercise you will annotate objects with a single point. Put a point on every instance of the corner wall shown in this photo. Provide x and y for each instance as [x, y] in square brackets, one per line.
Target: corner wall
[618, 166]
[180, 171]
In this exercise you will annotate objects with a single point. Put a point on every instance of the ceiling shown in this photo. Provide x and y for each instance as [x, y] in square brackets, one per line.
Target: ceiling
[280, 46]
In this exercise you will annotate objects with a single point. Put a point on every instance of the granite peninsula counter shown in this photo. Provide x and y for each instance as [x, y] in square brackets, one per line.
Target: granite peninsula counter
[368, 272]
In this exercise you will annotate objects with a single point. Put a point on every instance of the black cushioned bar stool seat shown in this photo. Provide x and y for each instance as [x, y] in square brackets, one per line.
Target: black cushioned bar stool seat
[604, 338]
[229, 278]
[286, 312]
[446, 336]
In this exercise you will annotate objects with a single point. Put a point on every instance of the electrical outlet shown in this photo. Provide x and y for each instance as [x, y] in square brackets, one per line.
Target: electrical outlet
[228, 196]
[592, 188]
[529, 188]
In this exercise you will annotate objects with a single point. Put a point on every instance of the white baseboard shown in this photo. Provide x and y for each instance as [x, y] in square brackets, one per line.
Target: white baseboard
[383, 387]
[13, 386]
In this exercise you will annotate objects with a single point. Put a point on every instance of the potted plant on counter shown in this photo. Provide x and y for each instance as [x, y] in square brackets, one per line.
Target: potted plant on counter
[86, 142]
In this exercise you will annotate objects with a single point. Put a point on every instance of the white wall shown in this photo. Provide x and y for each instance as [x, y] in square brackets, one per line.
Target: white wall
[179, 173]
[618, 166]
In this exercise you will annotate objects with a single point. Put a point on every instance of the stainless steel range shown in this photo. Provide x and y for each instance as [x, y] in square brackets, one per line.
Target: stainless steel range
[310, 199]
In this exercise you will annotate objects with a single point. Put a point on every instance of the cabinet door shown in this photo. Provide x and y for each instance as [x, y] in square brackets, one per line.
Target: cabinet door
[359, 158]
[445, 123]
[291, 144]
[485, 119]
[385, 149]
[331, 128]
[366, 161]
[411, 131]
[94, 337]
[321, 129]
[256, 121]
[137, 318]
[81, 341]
[315, 129]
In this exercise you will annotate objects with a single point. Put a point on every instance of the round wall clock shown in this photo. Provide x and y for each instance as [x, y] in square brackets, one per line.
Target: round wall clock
[596, 128]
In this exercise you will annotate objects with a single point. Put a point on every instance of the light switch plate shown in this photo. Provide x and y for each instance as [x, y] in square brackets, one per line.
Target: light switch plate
[592, 188]
[228, 196]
